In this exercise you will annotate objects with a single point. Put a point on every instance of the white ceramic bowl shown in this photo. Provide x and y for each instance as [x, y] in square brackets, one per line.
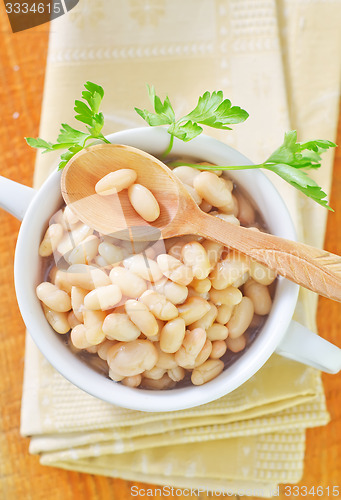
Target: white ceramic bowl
[28, 274]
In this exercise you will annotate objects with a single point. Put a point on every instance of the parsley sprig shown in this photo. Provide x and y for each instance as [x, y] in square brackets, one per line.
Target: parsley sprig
[288, 161]
[212, 110]
[74, 140]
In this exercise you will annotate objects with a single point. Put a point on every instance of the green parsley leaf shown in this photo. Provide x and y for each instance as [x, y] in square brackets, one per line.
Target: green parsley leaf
[164, 113]
[71, 135]
[85, 114]
[300, 155]
[165, 109]
[212, 110]
[39, 143]
[301, 181]
[152, 118]
[93, 95]
[185, 131]
[74, 140]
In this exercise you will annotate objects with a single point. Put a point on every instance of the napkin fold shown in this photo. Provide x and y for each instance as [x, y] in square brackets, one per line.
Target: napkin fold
[270, 58]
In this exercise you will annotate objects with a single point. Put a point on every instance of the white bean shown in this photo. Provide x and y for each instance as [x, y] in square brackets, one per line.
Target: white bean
[155, 373]
[84, 252]
[186, 174]
[160, 324]
[58, 320]
[93, 322]
[73, 321]
[241, 318]
[77, 301]
[176, 374]
[260, 296]
[207, 320]
[201, 286]
[175, 293]
[175, 250]
[192, 344]
[100, 262]
[165, 359]
[143, 267]
[212, 189]
[78, 337]
[193, 293]
[175, 270]
[103, 348]
[241, 280]
[224, 313]
[235, 206]
[262, 274]
[130, 284]
[103, 297]
[118, 326]
[246, 213]
[204, 354]
[144, 202]
[214, 251]
[230, 296]
[86, 277]
[133, 381]
[140, 315]
[70, 218]
[111, 253]
[193, 309]
[61, 280]
[132, 358]
[163, 383]
[158, 305]
[194, 255]
[217, 332]
[205, 207]
[114, 182]
[228, 218]
[227, 271]
[52, 238]
[218, 349]
[115, 376]
[231, 208]
[207, 371]
[193, 193]
[172, 335]
[71, 239]
[236, 345]
[53, 298]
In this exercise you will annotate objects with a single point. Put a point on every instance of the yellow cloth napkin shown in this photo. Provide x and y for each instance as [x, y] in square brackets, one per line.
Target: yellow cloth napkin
[281, 63]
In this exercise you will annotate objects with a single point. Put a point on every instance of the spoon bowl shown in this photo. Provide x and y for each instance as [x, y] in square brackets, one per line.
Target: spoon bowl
[114, 213]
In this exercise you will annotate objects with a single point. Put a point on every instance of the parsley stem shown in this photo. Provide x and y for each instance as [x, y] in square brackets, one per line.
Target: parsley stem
[105, 140]
[215, 167]
[169, 148]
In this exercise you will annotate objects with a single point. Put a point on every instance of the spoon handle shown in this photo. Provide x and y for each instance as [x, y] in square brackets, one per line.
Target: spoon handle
[313, 268]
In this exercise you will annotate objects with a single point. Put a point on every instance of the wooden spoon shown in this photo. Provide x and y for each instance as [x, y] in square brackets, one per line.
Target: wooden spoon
[310, 267]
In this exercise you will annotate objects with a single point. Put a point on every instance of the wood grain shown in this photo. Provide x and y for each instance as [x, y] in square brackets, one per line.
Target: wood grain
[313, 268]
[22, 59]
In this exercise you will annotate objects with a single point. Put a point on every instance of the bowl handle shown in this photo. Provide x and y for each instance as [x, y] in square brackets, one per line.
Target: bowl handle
[14, 197]
[308, 348]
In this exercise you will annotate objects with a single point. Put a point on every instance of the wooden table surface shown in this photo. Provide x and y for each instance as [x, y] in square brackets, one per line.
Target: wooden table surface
[23, 58]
